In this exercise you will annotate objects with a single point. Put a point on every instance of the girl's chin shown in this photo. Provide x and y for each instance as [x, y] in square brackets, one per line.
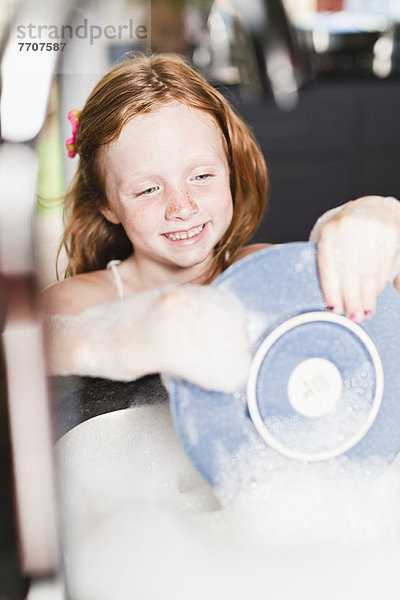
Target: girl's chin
[201, 263]
[196, 261]
[191, 256]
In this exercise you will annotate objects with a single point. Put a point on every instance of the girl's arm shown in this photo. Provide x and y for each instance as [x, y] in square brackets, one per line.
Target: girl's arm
[358, 253]
[197, 333]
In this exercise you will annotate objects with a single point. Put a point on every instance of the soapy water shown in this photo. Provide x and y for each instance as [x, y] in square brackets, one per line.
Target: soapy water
[138, 522]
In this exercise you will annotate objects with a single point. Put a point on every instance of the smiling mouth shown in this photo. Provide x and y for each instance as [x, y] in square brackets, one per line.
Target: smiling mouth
[185, 235]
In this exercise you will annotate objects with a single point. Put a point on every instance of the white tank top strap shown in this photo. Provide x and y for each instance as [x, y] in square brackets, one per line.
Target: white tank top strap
[113, 266]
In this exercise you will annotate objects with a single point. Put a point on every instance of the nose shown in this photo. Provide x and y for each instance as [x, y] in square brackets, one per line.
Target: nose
[180, 207]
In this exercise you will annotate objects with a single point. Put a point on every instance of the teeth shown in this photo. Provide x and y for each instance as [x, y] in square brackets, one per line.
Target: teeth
[183, 235]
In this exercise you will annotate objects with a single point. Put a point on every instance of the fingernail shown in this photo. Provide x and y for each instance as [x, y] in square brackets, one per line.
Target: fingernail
[330, 308]
[368, 313]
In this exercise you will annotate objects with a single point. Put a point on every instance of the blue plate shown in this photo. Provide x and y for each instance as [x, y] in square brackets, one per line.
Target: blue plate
[320, 386]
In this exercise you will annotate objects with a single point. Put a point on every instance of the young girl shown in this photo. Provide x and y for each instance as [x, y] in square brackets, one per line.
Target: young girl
[170, 186]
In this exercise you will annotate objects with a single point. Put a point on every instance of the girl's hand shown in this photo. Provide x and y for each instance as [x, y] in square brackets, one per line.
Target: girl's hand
[357, 249]
[198, 333]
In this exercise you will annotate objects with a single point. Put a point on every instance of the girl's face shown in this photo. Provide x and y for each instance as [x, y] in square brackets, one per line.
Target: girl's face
[167, 183]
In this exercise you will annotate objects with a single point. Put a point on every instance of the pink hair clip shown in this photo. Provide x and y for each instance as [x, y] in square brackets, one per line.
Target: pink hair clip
[70, 143]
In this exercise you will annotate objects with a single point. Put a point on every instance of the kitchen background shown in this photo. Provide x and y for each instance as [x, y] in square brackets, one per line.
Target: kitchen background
[317, 80]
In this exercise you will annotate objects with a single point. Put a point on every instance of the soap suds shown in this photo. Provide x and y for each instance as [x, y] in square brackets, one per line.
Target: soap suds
[139, 523]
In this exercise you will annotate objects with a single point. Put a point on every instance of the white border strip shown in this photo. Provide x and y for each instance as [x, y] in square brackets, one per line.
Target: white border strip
[277, 333]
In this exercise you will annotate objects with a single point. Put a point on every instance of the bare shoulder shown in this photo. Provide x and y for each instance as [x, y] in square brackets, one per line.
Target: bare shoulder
[77, 293]
[251, 249]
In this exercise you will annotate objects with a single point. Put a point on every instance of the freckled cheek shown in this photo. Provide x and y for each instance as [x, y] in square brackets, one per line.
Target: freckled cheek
[222, 205]
[141, 221]
[226, 217]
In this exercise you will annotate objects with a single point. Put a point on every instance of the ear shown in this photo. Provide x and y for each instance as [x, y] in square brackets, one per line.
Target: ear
[109, 214]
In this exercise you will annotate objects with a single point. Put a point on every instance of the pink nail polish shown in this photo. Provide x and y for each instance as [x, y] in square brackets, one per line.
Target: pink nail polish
[353, 316]
[368, 313]
[330, 308]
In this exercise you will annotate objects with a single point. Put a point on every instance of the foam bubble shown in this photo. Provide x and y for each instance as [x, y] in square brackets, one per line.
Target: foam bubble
[139, 522]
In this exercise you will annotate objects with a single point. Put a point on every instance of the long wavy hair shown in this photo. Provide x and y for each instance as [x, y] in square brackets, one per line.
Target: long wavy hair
[136, 86]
